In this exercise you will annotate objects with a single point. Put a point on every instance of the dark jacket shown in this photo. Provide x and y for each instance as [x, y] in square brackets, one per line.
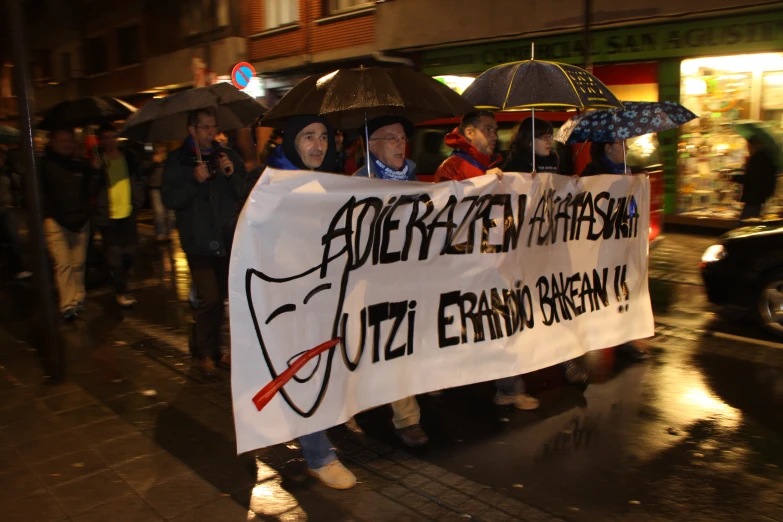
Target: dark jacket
[102, 188]
[524, 163]
[465, 162]
[605, 166]
[66, 187]
[758, 182]
[593, 168]
[206, 212]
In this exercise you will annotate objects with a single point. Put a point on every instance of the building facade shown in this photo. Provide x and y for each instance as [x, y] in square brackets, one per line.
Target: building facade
[289, 39]
[722, 59]
[133, 50]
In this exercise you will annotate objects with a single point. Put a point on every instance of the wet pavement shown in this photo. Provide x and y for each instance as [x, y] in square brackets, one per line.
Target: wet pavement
[135, 434]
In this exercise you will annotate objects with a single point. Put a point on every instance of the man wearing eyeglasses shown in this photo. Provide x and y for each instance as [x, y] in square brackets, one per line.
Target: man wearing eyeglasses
[203, 183]
[474, 149]
[388, 137]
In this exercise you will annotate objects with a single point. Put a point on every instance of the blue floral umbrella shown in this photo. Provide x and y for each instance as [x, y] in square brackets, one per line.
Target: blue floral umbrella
[637, 119]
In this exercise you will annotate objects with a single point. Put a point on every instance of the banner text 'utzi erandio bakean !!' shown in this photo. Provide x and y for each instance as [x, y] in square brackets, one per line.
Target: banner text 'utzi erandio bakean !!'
[427, 286]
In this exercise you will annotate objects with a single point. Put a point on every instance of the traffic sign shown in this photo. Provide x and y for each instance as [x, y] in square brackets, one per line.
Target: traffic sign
[241, 75]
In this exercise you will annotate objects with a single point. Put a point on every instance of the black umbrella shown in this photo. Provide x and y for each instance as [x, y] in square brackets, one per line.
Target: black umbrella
[535, 84]
[91, 110]
[167, 118]
[347, 97]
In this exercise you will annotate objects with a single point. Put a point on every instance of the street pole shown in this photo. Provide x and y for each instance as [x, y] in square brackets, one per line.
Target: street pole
[52, 349]
[587, 45]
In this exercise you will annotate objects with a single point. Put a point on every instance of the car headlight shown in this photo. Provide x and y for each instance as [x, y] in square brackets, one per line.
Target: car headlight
[713, 253]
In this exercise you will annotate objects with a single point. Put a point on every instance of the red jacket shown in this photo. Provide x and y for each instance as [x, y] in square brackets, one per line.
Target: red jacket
[457, 168]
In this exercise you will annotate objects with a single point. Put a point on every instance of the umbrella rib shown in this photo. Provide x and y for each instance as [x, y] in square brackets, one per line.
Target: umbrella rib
[511, 83]
[570, 82]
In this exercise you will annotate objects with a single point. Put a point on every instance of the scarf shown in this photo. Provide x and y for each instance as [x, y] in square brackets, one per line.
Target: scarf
[191, 144]
[278, 160]
[383, 171]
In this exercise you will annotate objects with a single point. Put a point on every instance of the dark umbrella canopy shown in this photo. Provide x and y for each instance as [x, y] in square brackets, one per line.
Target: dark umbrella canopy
[535, 84]
[167, 118]
[346, 96]
[91, 110]
[637, 119]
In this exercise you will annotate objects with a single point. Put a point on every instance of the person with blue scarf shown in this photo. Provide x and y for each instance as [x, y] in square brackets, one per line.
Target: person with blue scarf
[388, 137]
[607, 158]
[308, 144]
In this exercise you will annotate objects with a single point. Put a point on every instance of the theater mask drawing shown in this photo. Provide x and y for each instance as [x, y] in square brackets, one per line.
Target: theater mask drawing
[282, 310]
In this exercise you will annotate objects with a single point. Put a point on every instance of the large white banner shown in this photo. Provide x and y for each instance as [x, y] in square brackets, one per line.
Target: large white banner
[428, 286]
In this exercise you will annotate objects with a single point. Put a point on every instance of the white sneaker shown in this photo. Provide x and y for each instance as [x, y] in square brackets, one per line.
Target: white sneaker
[523, 401]
[126, 300]
[334, 475]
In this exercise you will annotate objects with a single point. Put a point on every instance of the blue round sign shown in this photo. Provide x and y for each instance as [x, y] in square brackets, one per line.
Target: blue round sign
[241, 75]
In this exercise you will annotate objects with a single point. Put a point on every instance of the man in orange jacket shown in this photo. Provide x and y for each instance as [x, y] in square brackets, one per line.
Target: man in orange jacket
[474, 155]
[474, 149]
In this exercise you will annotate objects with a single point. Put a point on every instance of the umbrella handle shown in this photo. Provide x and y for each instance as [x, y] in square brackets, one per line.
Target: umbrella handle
[533, 120]
[198, 149]
[367, 146]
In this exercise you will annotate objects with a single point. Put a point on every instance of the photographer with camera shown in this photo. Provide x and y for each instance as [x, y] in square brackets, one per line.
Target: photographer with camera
[203, 184]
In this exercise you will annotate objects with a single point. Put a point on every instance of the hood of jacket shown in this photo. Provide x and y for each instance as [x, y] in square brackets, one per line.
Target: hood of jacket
[457, 141]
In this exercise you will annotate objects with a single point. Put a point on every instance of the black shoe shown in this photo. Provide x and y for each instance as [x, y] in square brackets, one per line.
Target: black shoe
[207, 367]
[632, 352]
[412, 436]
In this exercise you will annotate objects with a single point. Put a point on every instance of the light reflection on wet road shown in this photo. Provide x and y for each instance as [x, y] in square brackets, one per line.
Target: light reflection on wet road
[695, 433]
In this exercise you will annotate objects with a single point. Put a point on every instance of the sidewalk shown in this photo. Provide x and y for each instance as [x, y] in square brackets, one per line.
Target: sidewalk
[136, 435]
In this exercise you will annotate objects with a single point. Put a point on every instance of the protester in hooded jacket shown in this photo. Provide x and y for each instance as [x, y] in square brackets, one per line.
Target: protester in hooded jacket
[606, 158]
[474, 144]
[520, 155]
[206, 198]
[308, 144]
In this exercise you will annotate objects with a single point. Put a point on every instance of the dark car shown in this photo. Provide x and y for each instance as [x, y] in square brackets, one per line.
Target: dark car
[745, 270]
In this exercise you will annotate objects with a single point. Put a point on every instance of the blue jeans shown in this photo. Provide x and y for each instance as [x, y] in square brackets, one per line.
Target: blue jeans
[317, 450]
[510, 385]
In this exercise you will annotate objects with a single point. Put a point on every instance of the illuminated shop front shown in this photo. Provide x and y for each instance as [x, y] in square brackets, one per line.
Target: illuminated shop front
[723, 68]
[722, 90]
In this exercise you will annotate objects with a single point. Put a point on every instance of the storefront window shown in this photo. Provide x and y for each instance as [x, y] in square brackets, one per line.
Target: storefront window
[722, 90]
[772, 97]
